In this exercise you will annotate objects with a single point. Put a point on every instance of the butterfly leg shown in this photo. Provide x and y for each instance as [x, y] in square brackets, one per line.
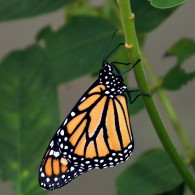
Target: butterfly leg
[113, 64]
[121, 73]
[141, 94]
[117, 70]
[130, 68]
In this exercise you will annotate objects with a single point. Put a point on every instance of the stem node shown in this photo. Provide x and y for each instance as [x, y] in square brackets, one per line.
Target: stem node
[132, 16]
[128, 46]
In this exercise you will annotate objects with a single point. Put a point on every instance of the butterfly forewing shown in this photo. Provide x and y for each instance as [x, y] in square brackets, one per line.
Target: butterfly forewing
[96, 134]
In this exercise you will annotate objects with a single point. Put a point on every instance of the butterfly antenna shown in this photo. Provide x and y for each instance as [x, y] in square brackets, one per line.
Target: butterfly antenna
[108, 46]
[113, 50]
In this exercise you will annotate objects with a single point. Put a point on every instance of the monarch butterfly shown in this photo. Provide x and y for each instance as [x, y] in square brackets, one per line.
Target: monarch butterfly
[96, 133]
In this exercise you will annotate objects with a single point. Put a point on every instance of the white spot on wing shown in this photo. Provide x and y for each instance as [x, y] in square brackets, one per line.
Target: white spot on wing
[72, 113]
[56, 154]
[51, 144]
[65, 121]
[51, 152]
[110, 158]
[58, 131]
[55, 179]
[62, 132]
[130, 146]
[83, 99]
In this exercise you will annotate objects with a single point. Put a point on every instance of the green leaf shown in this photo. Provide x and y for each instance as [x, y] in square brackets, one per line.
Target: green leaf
[183, 50]
[14, 9]
[141, 39]
[179, 190]
[166, 4]
[176, 78]
[77, 48]
[78, 9]
[152, 173]
[148, 18]
[137, 106]
[28, 117]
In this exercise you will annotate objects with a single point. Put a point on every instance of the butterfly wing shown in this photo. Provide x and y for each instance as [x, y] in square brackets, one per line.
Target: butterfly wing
[96, 134]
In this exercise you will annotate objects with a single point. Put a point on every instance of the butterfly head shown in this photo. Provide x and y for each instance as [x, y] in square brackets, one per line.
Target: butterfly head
[113, 82]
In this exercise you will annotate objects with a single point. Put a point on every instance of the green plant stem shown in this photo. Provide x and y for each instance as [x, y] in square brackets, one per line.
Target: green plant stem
[134, 54]
[171, 113]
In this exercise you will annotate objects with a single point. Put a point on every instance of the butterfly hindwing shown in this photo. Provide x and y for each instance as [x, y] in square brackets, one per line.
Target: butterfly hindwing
[56, 170]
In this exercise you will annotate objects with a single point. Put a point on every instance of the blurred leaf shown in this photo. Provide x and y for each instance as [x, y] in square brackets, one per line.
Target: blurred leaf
[183, 49]
[147, 18]
[77, 48]
[152, 173]
[141, 39]
[109, 11]
[176, 78]
[78, 9]
[14, 9]
[28, 117]
[179, 190]
[137, 106]
[166, 4]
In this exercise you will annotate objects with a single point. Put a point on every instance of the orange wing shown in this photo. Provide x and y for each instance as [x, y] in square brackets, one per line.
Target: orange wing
[96, 134]
[56, 170]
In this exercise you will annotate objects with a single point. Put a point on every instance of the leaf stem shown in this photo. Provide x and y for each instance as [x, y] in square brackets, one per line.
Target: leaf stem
[171, 113]
[127, 18]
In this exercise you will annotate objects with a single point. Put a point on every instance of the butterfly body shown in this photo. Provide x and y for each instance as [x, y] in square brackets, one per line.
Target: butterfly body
[96, 133]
